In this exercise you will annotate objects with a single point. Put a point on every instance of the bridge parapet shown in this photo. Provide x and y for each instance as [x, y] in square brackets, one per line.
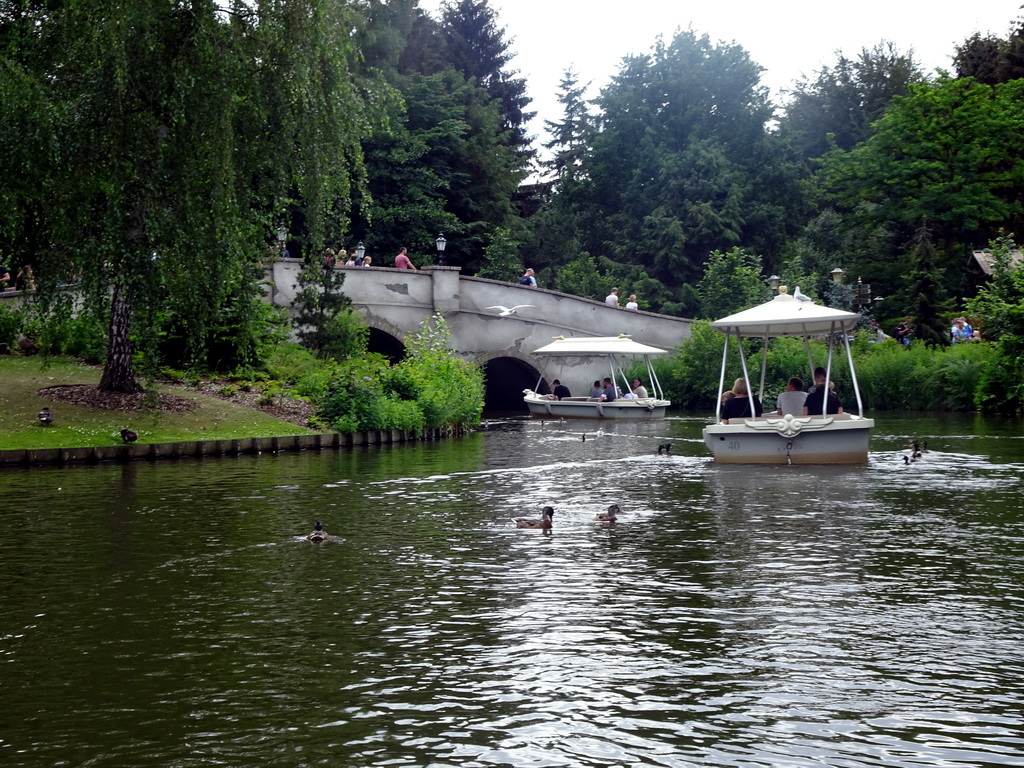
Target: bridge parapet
[403, 299]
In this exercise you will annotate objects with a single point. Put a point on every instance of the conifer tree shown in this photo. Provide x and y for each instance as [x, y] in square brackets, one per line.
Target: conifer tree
[924, 287]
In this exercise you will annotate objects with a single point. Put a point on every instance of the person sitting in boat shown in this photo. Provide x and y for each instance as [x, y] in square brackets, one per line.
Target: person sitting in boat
[819, 380]
[813, 403]
[597, 391]
[740, 404]
[560, 391]
[608, 394]
[639, 389]
[791, 402]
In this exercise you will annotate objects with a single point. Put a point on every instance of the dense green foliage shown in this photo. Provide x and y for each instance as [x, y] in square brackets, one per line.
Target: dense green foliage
[891, 376]
[430, 388]
[152, 148]
[732, 282]
[158, 139]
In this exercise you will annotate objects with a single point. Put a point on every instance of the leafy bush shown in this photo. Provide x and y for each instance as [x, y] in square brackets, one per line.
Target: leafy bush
[448, 390]
[352, 397]
[10, 325]
[431, 387]
[291, 363]
[85, 337]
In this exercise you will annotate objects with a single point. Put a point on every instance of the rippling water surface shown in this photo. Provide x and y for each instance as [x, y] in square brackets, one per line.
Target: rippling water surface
[171, 614]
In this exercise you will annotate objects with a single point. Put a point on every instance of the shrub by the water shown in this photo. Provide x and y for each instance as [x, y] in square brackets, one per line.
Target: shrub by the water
[891, 376]
[431, 387]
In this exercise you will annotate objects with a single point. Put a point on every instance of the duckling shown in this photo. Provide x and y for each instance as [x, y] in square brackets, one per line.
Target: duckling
[544, 522]
[609, 516]
[129, 435]
[46, 417]
[667, 448]
[318, 534]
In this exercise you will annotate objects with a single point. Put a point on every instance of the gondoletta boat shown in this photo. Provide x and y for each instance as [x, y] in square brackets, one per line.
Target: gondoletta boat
[818, 438]
[617, 350]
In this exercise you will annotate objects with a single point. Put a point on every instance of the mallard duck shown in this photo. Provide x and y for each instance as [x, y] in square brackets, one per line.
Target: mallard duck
[129, 435]
[666, 448]
[46, 417]
[318, 534]
[544, 522]
[610, 515]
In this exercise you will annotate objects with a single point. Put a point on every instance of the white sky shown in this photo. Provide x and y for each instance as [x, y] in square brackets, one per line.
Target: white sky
[789, 38]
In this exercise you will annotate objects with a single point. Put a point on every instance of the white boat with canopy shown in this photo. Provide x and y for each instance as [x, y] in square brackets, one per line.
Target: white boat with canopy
[818, 438]
[617, 349]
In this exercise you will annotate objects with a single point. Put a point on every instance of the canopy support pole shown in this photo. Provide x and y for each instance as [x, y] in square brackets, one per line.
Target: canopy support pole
[853, 374]
[764, 368]
[746, 374]
[721, 380]
[828, 370]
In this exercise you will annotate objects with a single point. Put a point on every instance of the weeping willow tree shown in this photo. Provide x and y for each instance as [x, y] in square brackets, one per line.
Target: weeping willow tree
[164, 140]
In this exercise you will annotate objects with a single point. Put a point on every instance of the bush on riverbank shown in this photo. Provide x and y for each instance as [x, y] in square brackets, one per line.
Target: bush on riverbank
[430, 388]
[891, 376]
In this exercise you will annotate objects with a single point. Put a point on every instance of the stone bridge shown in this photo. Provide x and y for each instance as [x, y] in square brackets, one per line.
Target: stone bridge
[395, 302]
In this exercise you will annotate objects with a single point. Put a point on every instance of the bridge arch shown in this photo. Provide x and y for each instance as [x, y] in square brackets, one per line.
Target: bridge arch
[386, 339]
[506, 375]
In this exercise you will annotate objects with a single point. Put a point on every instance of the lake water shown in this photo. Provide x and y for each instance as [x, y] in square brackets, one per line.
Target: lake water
[171, 614]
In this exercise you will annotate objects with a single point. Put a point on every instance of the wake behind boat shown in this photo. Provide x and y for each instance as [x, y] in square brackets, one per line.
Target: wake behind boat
[818, 438]
[616, 349]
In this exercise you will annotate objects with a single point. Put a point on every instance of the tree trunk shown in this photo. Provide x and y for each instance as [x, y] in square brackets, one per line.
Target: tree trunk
[118, 373]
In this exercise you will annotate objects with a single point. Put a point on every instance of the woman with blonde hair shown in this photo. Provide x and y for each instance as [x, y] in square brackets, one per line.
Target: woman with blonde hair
[739, 406]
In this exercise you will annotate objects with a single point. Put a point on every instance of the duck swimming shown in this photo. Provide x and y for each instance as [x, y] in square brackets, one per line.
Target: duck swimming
[609, 516]
[544, 522]
[318, 534]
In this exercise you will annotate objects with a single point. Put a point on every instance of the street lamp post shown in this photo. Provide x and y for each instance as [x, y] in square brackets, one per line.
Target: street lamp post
[837, 275]
[773, 283]
[282, 236]
[440, 243]
[360, 251]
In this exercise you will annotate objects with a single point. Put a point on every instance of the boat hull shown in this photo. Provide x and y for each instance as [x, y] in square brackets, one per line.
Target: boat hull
[543, 408]
[839, 439]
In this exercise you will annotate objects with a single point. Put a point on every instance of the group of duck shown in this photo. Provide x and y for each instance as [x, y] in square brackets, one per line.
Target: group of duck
[318, 534]
[916, 452]
[547, 513]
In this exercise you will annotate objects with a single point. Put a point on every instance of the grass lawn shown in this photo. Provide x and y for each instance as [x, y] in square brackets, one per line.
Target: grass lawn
[74, 426]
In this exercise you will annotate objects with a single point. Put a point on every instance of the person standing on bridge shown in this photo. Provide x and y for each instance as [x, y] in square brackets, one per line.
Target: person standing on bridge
[402, 260]
[612, 299]
[528, 279]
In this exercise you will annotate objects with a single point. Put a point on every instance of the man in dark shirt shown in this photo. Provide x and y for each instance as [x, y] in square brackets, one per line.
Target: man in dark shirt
[812, 405]
[560, 391]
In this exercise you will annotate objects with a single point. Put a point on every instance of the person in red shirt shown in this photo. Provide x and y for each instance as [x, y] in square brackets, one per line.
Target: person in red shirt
[402, 260]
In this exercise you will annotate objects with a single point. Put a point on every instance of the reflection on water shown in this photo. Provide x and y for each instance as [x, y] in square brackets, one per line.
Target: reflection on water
[172, 614]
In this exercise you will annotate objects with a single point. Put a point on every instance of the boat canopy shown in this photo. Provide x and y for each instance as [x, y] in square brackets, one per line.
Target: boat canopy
[597, 345]
[786, 315]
